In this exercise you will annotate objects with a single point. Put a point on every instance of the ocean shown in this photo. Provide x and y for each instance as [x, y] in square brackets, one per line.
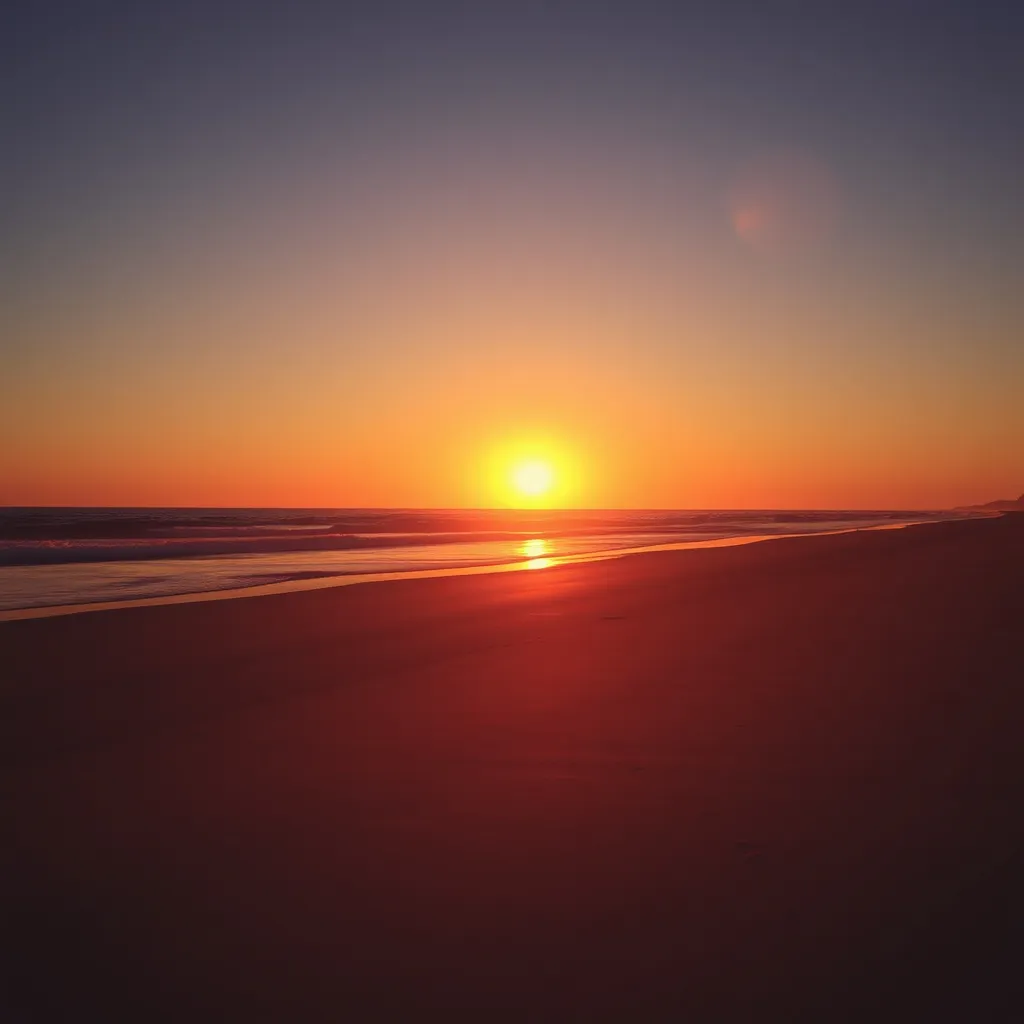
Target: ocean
[57, 557]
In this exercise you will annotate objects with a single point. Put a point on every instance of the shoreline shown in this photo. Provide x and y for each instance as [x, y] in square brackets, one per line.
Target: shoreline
[352, 579]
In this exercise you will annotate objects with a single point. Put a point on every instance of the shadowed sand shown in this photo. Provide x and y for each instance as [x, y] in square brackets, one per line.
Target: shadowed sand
[758, 783]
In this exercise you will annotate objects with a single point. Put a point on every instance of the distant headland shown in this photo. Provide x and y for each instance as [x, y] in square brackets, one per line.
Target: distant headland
[1002, 505]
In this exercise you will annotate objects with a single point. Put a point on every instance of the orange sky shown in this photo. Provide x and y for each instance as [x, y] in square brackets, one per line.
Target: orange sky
[684, 297]
[717, 377]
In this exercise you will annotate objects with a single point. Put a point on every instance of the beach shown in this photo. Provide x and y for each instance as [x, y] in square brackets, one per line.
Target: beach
[778, 781]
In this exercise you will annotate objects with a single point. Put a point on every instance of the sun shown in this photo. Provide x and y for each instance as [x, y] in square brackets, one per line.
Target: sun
[528, 472]
[533, 479]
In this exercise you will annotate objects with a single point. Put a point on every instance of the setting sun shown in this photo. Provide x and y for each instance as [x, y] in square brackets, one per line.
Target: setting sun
[533, 479]
[530, 469]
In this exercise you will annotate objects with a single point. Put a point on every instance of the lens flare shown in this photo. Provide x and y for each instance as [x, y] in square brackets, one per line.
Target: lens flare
[785, 204]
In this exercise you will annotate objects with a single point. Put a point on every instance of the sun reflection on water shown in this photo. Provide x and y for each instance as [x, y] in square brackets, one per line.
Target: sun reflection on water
[536, 551]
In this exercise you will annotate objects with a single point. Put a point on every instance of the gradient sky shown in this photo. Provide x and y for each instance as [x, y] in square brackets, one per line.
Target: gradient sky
[699, 255]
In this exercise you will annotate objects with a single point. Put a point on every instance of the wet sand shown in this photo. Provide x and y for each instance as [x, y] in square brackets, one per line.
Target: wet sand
[774, 782]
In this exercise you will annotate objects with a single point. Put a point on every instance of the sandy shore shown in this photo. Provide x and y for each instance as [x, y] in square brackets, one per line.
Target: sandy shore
[773, 782]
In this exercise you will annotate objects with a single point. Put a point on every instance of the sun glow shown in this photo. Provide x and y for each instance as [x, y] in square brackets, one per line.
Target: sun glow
[529, 472]
[533, 479]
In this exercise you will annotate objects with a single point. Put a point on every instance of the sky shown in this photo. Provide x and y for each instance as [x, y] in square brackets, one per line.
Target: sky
[687, 255]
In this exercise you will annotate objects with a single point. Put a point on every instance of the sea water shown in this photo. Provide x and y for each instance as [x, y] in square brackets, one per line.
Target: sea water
[70, 556]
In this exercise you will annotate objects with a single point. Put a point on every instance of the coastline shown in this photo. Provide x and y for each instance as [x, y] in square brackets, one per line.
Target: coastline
[352, 578]
[777, 779]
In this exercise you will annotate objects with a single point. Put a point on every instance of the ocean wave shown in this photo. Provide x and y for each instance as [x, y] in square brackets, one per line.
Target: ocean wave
[70, 571]
[101, 524]
[65, 552]
[68, 536]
